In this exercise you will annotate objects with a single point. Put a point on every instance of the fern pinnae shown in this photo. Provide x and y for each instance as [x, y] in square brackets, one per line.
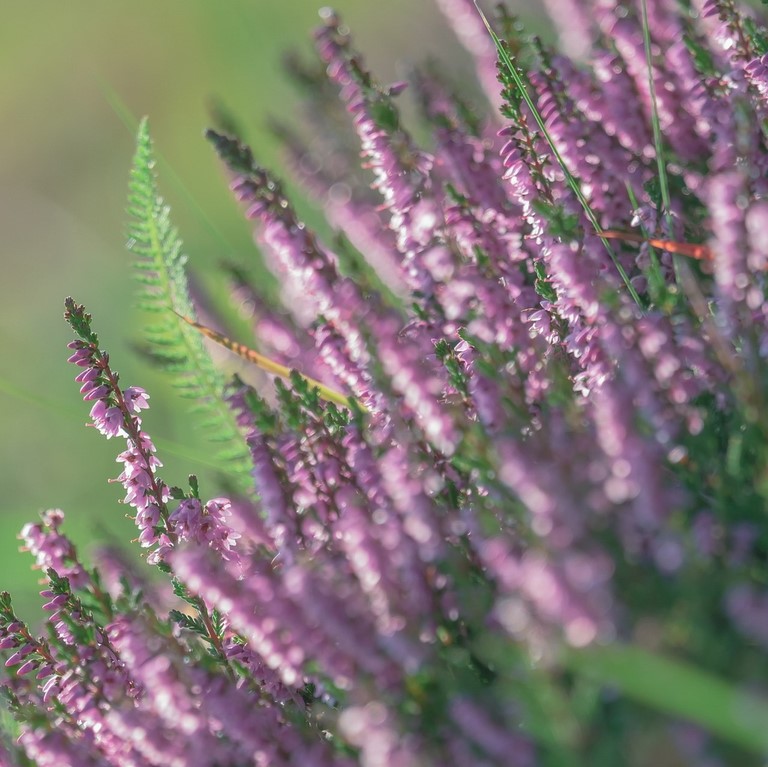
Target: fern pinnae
[178, 348]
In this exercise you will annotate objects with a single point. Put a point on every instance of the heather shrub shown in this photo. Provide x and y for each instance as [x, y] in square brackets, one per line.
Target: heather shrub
[495, 489]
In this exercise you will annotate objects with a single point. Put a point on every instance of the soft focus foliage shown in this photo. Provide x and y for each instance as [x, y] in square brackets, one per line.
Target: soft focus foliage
[76, 79]
[522, 520]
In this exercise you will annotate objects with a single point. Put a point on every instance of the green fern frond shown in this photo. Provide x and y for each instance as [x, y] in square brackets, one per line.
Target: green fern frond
[178, 348]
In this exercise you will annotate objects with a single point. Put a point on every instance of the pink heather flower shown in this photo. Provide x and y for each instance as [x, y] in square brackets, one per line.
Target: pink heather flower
[606, 162]
[53, 748]
[108, 420]
[571, 594]
[54, 550]
[344, 212]
[93, 390]
[727, 196]
[206, 525]
[373, 730]
[720, 20]
[402, 173]
[116, 413]
[475, 722]
[418, 383]
[136, 399]
[747, 607]
[187, 518]
[83, 355]
[469, 29]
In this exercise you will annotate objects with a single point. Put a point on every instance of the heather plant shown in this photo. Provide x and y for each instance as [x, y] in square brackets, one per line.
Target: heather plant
[496, 491]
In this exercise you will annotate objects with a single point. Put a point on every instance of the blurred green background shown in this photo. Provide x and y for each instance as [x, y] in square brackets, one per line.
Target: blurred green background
[64, 163]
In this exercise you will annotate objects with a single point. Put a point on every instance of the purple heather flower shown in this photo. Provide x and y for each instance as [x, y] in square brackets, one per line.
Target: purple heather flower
[570, 596]
[522, 156]
[369, 557]
[598, 160]
[164, 691]
[19, 655]
[495, 739]
[373, 729]
[116, 413]
[756, 222]
[274, 492]
[401, 171]
[336, 356]
[635, 476]
[678, 126]
[613, 102]
[722, 22]
[727, 196]
[345, 212]
[53, 748]
[391, 524]
[302, 263]
[107, 419]
[272, 632]
[419, 386]
[679, 361]
[465, 21]
[205, 525]
[146, 493]
[471, 162]
[756, 72]
[54, 550]
[747, 607]
[136, 399]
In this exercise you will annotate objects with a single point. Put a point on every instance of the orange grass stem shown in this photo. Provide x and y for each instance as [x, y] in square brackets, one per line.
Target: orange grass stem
[265, 363]
[700, 252]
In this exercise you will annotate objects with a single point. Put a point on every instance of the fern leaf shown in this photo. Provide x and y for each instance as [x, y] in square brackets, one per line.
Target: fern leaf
[177, 347]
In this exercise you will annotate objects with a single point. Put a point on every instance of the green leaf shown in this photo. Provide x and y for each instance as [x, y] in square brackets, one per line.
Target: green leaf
[178, 348]
[674, 687]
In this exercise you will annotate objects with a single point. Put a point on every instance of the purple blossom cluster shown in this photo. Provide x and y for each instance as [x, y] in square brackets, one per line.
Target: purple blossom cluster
[116, 413]
[553, 449]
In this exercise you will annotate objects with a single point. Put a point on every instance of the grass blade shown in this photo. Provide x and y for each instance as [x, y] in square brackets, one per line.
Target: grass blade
[569, 177]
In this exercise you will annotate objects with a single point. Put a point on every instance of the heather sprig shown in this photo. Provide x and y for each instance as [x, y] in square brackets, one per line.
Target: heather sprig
[116, 414]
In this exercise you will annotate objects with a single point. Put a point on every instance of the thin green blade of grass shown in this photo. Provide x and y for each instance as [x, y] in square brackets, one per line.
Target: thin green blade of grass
[677, 688]
[666, 198]
[569, 177]
[655, 277]
[684, 275]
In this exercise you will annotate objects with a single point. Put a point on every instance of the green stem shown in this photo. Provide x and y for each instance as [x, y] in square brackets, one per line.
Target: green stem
[666, 198]
[569, 177]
